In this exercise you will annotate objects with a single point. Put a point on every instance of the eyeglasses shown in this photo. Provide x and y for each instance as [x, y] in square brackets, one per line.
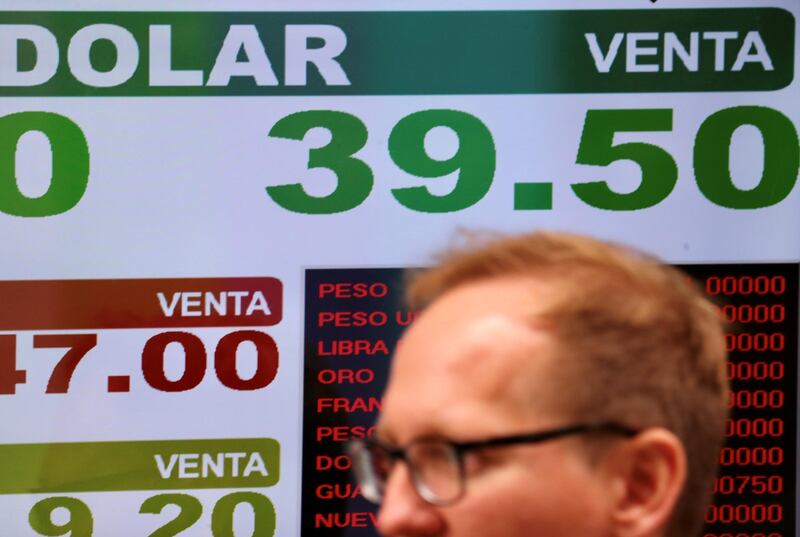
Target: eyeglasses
[437, 465]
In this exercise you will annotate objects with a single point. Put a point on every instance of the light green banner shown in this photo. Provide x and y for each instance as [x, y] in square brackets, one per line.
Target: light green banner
[147, 465]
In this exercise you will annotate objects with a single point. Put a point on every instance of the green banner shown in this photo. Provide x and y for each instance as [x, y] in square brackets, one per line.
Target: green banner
[144, 465]
[395, 53]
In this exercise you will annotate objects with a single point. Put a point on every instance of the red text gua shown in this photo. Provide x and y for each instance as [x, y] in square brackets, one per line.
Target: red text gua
[344, 520]
[353, 290]
[344, 404]
[338, 491]
[345, 347]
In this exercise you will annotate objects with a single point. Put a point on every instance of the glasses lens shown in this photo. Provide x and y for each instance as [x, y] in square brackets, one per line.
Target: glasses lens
[436, 471]
[371, 466]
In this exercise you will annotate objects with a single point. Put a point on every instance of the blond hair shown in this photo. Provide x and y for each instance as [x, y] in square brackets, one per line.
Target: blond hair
[640, 343]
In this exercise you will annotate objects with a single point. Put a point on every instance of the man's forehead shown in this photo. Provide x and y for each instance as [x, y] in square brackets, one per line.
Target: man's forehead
[478, 346]
[518, 296]
[478, 309]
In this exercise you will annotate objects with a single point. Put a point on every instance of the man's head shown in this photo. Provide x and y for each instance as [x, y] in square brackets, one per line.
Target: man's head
[540, 332]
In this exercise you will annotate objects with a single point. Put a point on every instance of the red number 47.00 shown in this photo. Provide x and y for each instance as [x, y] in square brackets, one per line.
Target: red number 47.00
[77, 345]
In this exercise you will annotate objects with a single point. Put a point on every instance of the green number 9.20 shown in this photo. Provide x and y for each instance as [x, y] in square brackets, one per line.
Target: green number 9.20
[79, 523]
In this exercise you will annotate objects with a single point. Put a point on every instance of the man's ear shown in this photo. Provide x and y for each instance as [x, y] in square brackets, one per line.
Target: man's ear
[647, 476]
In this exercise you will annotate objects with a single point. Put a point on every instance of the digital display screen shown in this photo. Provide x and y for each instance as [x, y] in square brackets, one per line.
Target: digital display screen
[355, 316]
[204, 208]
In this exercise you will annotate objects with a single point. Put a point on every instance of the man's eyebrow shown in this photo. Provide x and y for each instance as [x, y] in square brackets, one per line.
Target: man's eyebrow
[385, 434]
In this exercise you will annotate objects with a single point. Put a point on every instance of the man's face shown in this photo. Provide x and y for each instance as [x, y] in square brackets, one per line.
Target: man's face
[474, 366]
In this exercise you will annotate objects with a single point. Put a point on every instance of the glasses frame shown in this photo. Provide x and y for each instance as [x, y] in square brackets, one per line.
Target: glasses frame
[363, 448]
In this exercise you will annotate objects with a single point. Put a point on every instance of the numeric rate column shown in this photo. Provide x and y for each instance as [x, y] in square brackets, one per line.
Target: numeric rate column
[755, 489]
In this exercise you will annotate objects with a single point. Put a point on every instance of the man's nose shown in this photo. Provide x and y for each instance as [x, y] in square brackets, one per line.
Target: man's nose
[404, 512]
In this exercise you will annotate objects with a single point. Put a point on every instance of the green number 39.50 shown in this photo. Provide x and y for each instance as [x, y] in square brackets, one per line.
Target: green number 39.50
[711, 157]
[474, 160]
